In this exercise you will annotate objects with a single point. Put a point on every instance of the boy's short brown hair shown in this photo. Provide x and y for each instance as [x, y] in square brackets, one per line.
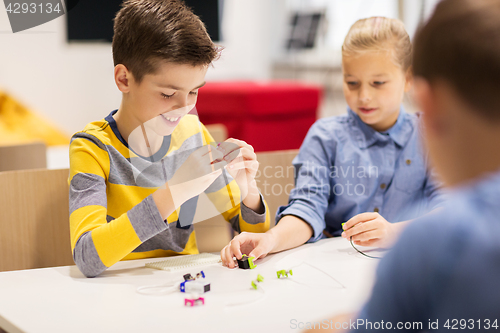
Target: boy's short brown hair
[148, 31]
[461, 45]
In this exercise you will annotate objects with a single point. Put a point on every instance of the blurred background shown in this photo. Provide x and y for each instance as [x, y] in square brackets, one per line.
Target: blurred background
[62, 71]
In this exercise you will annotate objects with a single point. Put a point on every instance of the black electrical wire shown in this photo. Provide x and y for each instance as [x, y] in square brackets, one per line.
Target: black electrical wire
[366, 255]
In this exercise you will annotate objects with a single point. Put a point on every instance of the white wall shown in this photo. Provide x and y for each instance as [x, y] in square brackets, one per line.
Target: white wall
[72, 84]
[69, 84]
[247, 41]
[413, 13]
[341, 14]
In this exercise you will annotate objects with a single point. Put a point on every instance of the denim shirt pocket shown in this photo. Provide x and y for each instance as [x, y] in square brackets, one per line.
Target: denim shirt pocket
[410, 175]
[353, 178]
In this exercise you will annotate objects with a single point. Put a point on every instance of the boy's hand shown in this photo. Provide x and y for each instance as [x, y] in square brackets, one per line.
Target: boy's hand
[370, 229]
[243, 166]
[196, 174]
[256, 245]
[241, 156]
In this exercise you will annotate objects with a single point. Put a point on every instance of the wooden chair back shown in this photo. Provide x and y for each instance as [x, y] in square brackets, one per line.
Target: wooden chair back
[34, 219]
[23, 156]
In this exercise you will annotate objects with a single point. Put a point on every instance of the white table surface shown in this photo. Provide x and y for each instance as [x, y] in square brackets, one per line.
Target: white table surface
[61, 299]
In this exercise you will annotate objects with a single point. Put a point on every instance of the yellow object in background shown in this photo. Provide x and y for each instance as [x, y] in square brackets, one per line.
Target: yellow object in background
[18, 124]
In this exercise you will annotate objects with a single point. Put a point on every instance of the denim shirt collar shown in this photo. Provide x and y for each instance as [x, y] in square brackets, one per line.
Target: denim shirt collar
[366, 136]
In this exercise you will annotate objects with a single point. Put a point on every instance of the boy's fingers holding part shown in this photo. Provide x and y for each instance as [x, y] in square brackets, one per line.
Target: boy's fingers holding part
[235, 247]
[248, 154]
[257, 253]
[252, 165]
[227, 147]
[237, 164]
[231, 156]
[239, 143]
[228, 256]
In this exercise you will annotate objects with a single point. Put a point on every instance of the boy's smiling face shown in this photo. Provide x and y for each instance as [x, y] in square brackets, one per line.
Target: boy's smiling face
[374, 87]
[161, 99]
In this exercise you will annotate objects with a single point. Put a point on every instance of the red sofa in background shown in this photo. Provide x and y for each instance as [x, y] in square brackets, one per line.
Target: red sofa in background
[270, 115]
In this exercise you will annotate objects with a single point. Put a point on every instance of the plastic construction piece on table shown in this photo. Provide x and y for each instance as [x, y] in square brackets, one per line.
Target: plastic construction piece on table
[246, 262]
[194, 301]
[255, 282]
[284, 273]
[194, 286]
[185, 261]
[189, 277]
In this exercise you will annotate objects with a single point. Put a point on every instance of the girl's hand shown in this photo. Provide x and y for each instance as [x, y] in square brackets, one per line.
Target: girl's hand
[370, 229]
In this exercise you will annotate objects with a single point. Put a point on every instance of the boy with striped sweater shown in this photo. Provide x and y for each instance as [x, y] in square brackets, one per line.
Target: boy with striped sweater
[138, 177]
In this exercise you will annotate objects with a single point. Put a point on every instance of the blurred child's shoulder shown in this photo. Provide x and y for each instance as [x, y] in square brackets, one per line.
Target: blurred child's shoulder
[414, 118]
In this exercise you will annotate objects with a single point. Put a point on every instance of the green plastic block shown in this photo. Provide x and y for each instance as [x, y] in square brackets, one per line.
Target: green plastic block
[250, 262]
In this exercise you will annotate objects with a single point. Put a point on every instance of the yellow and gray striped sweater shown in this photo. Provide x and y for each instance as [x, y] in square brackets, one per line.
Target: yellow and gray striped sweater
[112, 214]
